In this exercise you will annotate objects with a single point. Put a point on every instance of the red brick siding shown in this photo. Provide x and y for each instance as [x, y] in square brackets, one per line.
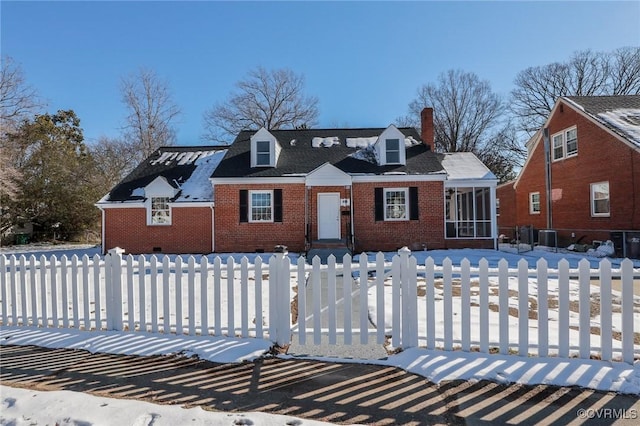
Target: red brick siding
[189, 232]
[233, 236]
[601, 157]
[429, 229]
[507, 220]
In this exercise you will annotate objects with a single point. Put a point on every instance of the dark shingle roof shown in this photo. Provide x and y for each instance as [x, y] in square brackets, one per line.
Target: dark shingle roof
[175, 163]
[301, 157]
[599, 104]
[620, 114]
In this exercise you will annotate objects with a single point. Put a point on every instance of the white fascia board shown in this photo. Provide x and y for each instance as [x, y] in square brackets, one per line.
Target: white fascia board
[193, 204]
[121, 205]
[399, 178]
[257, 180]
[458, 183]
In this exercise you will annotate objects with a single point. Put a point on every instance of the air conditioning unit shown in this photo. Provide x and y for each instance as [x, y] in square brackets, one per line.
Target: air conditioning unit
[548, 237]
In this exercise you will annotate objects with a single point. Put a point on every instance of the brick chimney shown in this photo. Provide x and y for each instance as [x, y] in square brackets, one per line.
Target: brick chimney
[426, 124]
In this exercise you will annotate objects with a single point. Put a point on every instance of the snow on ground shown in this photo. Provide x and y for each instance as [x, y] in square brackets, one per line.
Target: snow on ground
[26, 407]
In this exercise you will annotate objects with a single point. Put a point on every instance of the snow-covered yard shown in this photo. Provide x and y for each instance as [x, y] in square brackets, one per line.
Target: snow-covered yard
[24, 406]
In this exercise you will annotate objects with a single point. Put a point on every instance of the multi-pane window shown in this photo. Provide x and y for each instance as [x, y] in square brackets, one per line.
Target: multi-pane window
[160, 212]
[558, 147]
[263, 153]
[468, 212]
[392, 147]
[600, 199]
[534, 202]
[572, 141]
[396, 204]
[261, 206]
[565, 144]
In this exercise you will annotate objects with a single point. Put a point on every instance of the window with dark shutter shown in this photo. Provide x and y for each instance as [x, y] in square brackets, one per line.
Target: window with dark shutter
[414, 213]
[277, 205]
[244, 205]
[379, 204]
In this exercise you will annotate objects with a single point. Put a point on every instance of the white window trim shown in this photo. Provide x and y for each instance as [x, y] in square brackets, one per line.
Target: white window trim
[563, 135]
[400, 149]
[531, 211]
[270, 145]
[592, 200]
[406, 204]
[250, 212]
[150, 221]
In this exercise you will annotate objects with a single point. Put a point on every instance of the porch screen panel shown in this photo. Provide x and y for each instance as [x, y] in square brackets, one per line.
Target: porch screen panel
[468, 212]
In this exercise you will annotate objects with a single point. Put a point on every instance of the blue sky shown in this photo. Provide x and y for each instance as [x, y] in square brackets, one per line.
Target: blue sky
[363, 60]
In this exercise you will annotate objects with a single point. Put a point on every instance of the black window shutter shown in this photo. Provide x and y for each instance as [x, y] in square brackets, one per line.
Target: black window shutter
[244, 205]
[277, 205]
[414, 214]
[379, 204]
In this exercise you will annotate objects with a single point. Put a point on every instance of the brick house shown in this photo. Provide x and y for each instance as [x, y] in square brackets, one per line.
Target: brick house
[165, 204]
[363, 189]
[587, 185]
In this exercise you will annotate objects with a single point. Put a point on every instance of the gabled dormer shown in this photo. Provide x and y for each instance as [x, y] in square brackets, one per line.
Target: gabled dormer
[265, 149]
[390, 147]
[158, 194]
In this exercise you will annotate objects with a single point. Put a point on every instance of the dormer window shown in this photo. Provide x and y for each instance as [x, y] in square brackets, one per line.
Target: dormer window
[264, 149]
[158, 195]
[160, 211]
[392, 147]
[263, 153]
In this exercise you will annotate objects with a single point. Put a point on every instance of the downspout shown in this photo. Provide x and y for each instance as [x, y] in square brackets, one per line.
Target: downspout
[353, 235]
[103, 231]
[307, 237]
[213, 227]
[547, 177]
[494, 217]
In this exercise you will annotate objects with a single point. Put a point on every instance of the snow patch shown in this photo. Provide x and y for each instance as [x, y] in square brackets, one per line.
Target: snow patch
[198, 187]
[361, 142]
[368, 154]
[626, 121]
[327, 142]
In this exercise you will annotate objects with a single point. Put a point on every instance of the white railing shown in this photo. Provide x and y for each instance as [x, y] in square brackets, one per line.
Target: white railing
[539, 311]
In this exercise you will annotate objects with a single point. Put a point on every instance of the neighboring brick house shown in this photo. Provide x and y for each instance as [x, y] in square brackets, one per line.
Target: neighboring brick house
[593, 164]
[365, 189]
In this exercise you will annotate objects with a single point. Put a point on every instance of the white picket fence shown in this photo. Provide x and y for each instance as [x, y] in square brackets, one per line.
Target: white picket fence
[538, 311]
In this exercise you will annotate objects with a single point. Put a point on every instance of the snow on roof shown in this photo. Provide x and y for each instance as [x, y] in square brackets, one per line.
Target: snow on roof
[198, 187]
[327, 142]
[361, 142]
[181, 157]
[626, 121]
[465, 165]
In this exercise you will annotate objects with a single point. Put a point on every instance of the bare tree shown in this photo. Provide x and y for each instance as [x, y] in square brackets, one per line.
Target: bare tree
[17, 101]
[624, 66]
[151, 112]
[465, 110]
[468, 117]
[17, 98]
[113, 160]
[586, 73]
[273, 99]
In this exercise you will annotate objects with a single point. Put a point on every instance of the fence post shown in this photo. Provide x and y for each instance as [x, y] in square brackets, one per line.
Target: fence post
[280, 310]
[408, 300]
[113, 284]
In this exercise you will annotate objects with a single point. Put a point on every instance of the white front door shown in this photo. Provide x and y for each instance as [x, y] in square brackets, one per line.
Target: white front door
[328, 216]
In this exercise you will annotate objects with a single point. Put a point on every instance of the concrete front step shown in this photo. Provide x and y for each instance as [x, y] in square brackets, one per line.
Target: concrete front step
[324, 253]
